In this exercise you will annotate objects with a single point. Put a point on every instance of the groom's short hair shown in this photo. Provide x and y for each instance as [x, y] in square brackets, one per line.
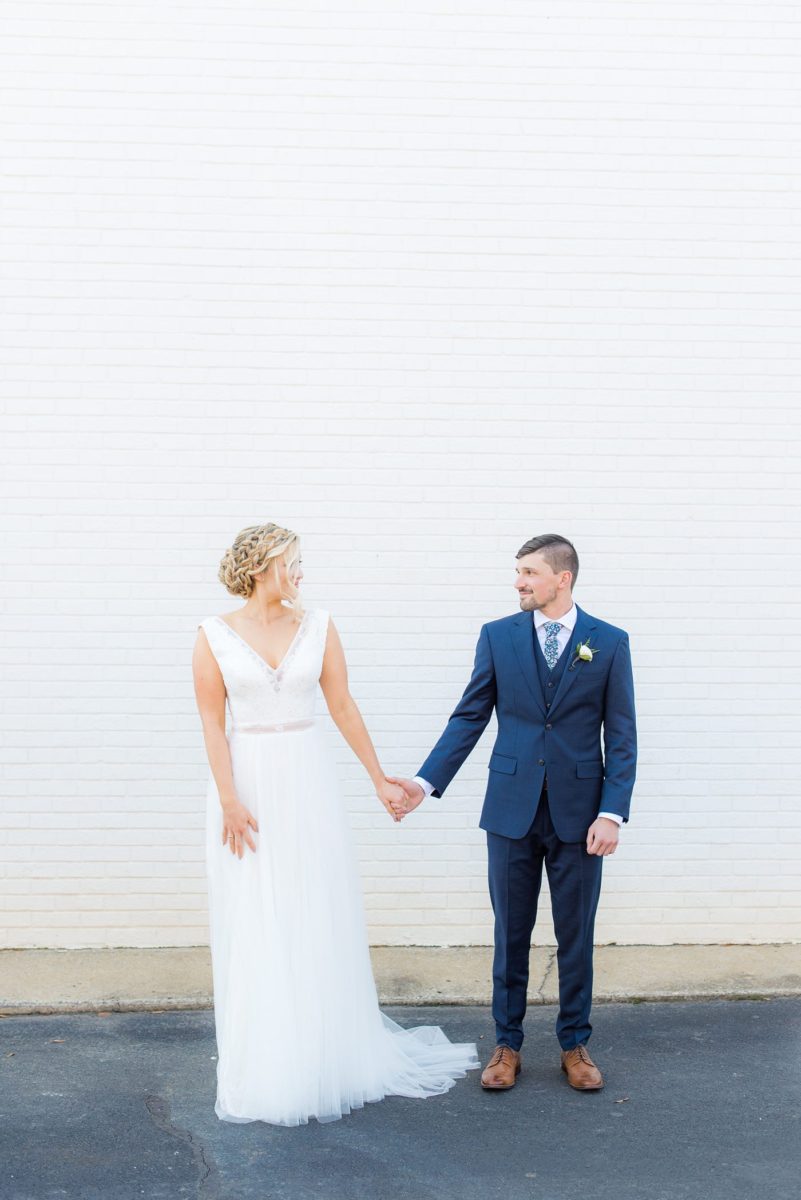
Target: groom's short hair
[558, 552]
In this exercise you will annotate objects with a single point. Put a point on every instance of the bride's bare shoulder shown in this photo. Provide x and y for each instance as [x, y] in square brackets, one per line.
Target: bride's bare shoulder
[231, 619]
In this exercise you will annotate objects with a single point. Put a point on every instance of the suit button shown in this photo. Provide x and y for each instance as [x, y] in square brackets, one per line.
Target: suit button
[549, 726]
[550, 684]
[540, 762]
[547, 704]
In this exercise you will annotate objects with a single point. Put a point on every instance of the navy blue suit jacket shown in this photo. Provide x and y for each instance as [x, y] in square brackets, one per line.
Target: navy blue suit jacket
[594, 699]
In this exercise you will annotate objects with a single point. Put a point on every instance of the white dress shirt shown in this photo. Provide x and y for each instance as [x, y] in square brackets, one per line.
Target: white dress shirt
[568, 623]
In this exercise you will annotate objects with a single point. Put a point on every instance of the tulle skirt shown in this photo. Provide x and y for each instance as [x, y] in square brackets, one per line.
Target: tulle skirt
[299, 1031]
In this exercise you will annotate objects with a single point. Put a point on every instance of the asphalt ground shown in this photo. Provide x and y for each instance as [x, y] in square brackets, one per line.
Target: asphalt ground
[702, 1100]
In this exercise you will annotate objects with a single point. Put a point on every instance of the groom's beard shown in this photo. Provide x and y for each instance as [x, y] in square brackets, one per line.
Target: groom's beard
[529, 604]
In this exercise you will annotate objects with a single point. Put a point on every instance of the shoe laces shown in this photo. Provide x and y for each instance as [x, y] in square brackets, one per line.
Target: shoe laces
[500, 1056]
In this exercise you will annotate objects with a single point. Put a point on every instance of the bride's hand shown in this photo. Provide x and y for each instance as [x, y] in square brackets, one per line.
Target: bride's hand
[393, 798]
[236, 832]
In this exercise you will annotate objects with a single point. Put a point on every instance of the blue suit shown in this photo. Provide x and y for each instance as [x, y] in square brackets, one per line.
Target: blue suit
[548, 779]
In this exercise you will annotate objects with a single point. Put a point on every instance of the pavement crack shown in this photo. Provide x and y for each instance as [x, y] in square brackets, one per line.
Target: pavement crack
[548, 970]
[208, 1176]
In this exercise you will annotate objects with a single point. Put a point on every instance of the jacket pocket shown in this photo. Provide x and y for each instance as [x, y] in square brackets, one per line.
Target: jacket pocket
[500, 762]
[590, 770]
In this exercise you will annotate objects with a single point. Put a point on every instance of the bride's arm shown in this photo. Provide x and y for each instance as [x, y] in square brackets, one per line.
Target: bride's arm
[210, 696]
[349, 722]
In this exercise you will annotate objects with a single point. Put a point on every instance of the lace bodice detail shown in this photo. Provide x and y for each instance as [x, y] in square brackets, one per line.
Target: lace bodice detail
[260, 694]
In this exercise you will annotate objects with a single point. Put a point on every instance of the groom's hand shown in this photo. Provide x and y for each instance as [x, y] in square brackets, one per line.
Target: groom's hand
[602, 836]
[414, 793]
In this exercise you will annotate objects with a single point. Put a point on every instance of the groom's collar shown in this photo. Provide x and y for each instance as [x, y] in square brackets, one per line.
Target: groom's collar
[568, 620]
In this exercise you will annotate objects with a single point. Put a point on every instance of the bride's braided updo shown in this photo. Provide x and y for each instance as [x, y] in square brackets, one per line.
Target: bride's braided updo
[253, 549]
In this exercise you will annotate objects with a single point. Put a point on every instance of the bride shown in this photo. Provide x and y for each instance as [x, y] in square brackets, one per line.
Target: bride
[299, 1031]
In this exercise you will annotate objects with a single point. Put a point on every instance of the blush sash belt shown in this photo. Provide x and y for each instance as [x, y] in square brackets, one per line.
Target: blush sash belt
[285, 728]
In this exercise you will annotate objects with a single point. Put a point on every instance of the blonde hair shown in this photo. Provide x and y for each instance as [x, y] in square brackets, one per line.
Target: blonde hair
[253, 549]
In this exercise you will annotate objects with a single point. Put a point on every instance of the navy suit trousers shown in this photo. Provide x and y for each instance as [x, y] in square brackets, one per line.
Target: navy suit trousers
[574, 878]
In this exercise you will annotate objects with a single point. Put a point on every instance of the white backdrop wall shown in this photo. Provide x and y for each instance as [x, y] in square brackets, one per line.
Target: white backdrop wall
[420, 285]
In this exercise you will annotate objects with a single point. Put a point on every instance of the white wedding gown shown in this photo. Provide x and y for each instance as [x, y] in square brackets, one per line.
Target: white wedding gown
[299, 1030]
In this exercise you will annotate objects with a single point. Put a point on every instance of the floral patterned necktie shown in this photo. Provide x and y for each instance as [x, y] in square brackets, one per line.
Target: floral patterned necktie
[551, 647]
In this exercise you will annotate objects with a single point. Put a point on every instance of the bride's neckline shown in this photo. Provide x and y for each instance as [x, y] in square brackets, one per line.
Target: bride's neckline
[273, 670]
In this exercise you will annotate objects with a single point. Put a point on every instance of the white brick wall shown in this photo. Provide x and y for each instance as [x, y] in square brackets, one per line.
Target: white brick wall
[419, 284]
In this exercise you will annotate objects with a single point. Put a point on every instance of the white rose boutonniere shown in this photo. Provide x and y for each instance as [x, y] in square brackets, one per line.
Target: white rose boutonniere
[584, 652]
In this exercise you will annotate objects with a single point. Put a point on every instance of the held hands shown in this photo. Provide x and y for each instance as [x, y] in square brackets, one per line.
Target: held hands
[602, 836]
[399, 796]
[237, 823]
[392, 797]
[413, 794]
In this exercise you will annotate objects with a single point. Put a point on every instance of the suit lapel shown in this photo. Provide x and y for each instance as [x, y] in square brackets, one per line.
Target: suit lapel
[581, 632]
[522, 632]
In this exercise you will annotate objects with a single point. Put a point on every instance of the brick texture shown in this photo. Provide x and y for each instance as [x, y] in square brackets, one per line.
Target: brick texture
[419, 284]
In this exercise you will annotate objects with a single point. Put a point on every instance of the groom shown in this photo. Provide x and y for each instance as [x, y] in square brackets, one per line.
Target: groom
[558, 680]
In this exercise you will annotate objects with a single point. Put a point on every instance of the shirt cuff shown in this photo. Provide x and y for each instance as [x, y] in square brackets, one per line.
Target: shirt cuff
[611, 817]
[424, 784]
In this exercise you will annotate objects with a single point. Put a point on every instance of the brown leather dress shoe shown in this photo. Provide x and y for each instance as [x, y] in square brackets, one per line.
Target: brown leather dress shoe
[581, 1071]
[502, 1070]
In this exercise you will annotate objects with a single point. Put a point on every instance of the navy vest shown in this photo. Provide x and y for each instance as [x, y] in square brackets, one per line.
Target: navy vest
[550, 680]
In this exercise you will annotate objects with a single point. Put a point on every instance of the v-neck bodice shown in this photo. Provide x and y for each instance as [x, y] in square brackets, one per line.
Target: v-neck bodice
[259, 694]
[279, 669]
